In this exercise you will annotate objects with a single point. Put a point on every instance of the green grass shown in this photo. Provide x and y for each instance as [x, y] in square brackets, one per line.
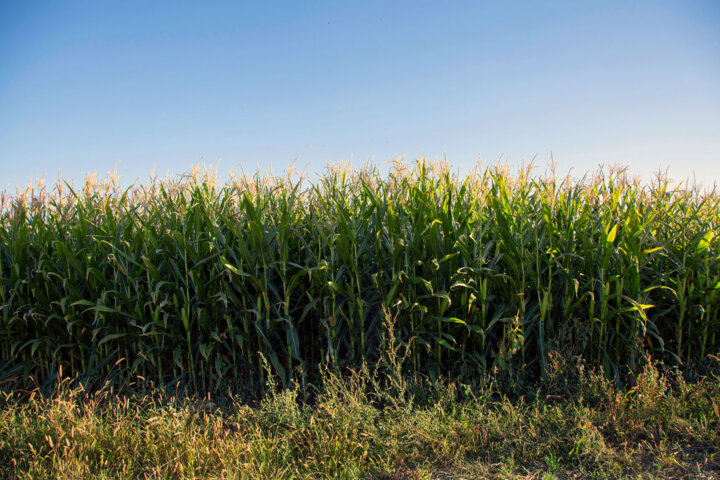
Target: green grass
[186, 282]
[576, 424]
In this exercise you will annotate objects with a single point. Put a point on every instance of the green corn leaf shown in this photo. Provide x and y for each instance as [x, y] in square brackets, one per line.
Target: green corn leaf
[610, 238]
[704, 243]
[110, 337]
[450, 320]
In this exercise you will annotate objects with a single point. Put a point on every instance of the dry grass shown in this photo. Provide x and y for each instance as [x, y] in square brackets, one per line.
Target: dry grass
[576, 425]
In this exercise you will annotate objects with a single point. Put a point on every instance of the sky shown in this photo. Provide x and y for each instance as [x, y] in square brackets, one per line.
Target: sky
[143, 86]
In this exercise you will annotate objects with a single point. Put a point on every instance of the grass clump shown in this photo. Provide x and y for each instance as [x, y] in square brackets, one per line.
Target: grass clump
[661, 428]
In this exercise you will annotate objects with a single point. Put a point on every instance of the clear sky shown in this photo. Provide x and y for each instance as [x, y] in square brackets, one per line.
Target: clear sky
[150, 84]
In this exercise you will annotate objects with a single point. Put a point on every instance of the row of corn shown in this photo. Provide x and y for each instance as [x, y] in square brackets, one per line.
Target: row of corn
[212, 285]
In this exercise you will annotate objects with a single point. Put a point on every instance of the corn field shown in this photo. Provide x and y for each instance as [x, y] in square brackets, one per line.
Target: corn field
[191, 282]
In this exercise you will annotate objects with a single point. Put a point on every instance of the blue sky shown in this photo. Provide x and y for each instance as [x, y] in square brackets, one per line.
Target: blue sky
[89, 85]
